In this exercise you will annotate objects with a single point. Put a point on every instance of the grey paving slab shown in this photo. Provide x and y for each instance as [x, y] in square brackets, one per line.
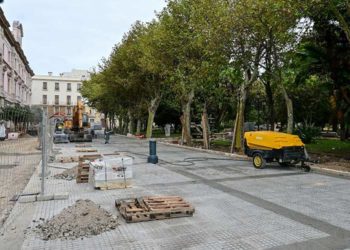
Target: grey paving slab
[323, 197]
[224, 219]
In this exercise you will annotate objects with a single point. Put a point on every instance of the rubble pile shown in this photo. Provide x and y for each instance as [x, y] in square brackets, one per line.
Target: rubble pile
[68, 174]
[82, 219]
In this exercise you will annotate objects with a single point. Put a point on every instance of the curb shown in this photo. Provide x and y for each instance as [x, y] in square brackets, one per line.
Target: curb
[329, 171]
[206, 150]
[242, 157]
[47, 197]
[313, 168]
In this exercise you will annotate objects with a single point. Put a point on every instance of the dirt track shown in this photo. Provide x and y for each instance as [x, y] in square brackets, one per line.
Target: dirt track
[18, 159]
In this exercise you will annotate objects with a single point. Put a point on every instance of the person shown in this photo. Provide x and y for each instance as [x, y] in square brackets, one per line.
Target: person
[2, 131]
[107, 136]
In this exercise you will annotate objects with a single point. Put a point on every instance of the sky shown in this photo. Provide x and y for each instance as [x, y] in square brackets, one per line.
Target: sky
[65, 34]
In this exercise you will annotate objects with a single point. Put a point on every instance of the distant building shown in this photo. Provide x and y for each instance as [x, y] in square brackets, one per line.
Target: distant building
[15, 73]
[59, 94]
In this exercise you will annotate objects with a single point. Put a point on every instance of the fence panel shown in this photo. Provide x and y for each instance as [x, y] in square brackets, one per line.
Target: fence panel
[19, 155]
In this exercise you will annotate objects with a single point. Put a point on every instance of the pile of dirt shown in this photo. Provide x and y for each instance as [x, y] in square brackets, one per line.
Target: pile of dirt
[68, 174]
[82, 219]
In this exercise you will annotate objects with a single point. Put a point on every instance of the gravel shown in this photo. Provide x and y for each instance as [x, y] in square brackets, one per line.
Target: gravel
[68, 174]
[82, 219]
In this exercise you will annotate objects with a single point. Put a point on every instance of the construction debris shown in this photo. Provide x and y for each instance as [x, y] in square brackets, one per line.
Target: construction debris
[68, 174]
[68, 159]
[154, 208]
[84, 218]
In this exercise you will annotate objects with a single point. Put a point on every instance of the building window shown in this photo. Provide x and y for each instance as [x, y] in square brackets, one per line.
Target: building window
[69, 110]
[78, 98]
[44, 85]
[69, 87]
[44, 99]
[57, 99]
[79, 87]
[69, 100]
[57, 109]
[57, 86]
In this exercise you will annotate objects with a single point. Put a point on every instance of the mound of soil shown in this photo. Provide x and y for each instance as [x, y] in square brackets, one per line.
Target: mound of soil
[82, 219]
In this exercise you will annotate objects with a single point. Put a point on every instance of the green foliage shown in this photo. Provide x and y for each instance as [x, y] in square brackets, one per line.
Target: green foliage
[329, 146]
[217, 50]
[307, 132]
[16, 114]
[223, 143]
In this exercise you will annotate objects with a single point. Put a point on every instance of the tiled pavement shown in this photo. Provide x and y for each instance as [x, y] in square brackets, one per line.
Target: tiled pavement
[237, 206]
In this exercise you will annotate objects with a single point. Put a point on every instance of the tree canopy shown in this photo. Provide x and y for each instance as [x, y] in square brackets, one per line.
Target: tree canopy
[213, 57]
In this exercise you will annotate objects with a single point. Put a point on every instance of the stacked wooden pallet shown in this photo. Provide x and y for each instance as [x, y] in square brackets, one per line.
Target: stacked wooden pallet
[83, 167]
[86, 150]
[83, 145]
[154, 208]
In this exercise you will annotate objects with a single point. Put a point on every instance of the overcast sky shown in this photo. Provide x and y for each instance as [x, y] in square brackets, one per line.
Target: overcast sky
[63, 34]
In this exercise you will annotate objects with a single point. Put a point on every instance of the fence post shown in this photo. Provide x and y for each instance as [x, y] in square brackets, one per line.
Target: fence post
[44, 152]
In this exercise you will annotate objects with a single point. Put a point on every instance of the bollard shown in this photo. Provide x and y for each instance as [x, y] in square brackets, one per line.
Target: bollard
[152, 158]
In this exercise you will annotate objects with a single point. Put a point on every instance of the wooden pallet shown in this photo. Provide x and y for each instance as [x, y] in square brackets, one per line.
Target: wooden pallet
[83, 145]
[83, 172]
[86, 150]
[154, 208]
[84, 167]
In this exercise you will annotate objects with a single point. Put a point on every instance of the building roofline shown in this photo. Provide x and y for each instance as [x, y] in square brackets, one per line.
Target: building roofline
[6, 25]
[56, 78]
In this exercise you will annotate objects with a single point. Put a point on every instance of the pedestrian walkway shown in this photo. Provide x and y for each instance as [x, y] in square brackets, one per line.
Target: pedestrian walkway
[237, 206]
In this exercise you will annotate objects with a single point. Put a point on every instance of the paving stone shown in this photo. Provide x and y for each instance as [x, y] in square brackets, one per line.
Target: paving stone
[45, 197]
[61, 196]
[221, 220]
[27, 198]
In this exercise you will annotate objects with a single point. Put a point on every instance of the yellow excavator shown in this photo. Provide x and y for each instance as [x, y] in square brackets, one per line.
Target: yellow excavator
[80, 125]
[269, 146]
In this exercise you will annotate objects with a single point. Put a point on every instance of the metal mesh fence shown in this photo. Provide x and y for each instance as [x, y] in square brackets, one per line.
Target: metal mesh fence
[19, 154]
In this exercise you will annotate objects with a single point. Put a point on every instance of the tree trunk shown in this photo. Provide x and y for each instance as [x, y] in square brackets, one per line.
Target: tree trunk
[238, 131]
[152, 109]
[341, 120]
[270, 104]
[125, 125]
[290, 114]
[342, 21]
[186, 118]
[205, 127]
[105, 117]
[131, 127]
[138, 127]
[120, 124]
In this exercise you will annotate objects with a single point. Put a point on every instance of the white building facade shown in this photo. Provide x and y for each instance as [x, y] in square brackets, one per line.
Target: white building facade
[15, 72]
[59, 94]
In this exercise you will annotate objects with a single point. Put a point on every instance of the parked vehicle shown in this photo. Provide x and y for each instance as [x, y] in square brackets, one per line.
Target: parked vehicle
[97, 131]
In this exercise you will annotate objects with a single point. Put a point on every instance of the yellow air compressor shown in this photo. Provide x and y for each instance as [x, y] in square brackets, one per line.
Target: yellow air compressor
[269, 146]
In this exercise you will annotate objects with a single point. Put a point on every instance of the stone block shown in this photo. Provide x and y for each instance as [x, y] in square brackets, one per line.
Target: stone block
[27, 199]
[61, 196]
[45, 197]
